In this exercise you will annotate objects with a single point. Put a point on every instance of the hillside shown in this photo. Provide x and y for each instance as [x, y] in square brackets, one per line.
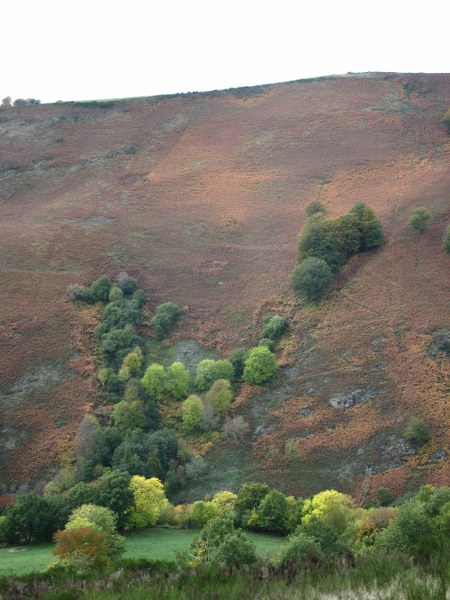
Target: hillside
[201, 197]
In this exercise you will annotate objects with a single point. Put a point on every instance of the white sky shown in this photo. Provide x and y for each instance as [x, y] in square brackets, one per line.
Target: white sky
[89, 49]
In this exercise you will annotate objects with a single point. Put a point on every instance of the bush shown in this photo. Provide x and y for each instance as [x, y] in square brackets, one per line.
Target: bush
[371, 235]
[419, 219]
[126, 283]
[315, 207]
[417, 432]
[301, 552]
[311, 279]
[446, 241]
[236, 549]
[274, 327]
[266, 343]
[385, 496]
[76, 292]
[83, 548]
[260, 366]
[446, 119]
[165, 318]
[237, 358]
[316, 240]
[100, 518]
[235, 429]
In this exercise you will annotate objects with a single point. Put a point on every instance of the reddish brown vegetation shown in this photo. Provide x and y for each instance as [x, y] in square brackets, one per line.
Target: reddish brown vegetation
[204, 210]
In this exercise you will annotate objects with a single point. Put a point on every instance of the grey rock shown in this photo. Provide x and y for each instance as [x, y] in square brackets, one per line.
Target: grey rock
[440, 343]
[349, 399]
[263, 430]
[437, 456]
[306, 412]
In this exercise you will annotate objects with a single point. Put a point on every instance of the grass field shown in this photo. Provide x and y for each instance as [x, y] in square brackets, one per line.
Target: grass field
[157, 544]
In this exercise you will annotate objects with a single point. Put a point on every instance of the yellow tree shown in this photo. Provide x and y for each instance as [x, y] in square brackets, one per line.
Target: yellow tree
[149, 501]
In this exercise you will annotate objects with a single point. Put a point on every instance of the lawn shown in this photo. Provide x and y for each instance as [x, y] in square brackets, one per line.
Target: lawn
[156, 543]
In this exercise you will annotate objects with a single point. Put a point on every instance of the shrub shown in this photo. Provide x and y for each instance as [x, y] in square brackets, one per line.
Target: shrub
[126, 283]
[269, 344]
[209, 539]
[315, 207]
[235, 429]
[385, 496]
[274, 327]
[419, 219]
[446, 119]
[446, 241]
[236, 549]
[76, 292]
[100, 518]
[115, 294]
[165, 318]
[311, 279]
[300, 552]
[99, 290]
[417, 432]
[260, 366]
[220, 395]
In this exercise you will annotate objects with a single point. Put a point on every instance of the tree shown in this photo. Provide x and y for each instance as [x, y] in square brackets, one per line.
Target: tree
[204, 544]
[235, 549]
[274, 327]
[311, 279]
[193, 414]
[385, 496]
[100, 518]
[371, 234]
[317, 240]
[149, 501]
[165, 318]
[237, 358]
[116, 344]
[177, 381]
[155, 381]
[300, 552]
[208, 371]
[446, 241]
[6, 102]
[131, 365]
[225, 503]
[126, 283]
[220, 395]
[417, 432]
[115, 294]
[99, 290]
[271, 514]
[29, 519]
[129, 416]
[249, 497]
[419, 219]
[83, 548]
[260, 366]
[113, 491]
[201, 512]
[335, 508]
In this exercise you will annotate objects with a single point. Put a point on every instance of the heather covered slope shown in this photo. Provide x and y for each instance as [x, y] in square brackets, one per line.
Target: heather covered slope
[201, 197]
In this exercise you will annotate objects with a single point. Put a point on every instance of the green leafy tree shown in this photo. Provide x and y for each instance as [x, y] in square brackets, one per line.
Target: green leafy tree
[155, 381]
[131, 365]
[225, 502]
[300, 552]
[370, 228]
[113, 491]
[101, 453]
[165, 318]
[208, 371]
[317, 240]
[149, 500]
[28, 520]
[235, 549]
[116, 344]
[385, 496]
[177, 382]
[129, 416]
[274, 327]
[260, 366]
[99, 290]
[101, 518]
[335, 508]
[272, 513]
[206, 543]
[311, 279]
[249, 497]
[115, 294]
[201, 512]
[237, 358]
[420, 219]
[220, 396]
[446, 241]
[193, 414]
[417, 432]
[347, 233]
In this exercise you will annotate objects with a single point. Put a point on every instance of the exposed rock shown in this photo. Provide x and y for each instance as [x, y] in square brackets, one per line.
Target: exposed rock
[306, 412]
[263, 430]
[440, 343]
[349, 399]
[437, 456]
[392, 454]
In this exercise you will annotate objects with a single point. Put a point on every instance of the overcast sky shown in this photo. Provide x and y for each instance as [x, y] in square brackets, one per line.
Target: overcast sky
[88, 49]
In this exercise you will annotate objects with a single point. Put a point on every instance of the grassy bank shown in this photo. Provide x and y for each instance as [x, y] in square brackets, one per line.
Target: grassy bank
[152, 544]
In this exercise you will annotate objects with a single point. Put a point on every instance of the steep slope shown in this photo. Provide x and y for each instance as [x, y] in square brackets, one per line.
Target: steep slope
[201, 197]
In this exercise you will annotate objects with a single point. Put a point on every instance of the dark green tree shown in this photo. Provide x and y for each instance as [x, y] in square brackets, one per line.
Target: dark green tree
[311, 279]
[165, 318]
[369, 226]
[274, 327]
[315, 207]
[420, 219]
[272, 512]
[29, 519]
